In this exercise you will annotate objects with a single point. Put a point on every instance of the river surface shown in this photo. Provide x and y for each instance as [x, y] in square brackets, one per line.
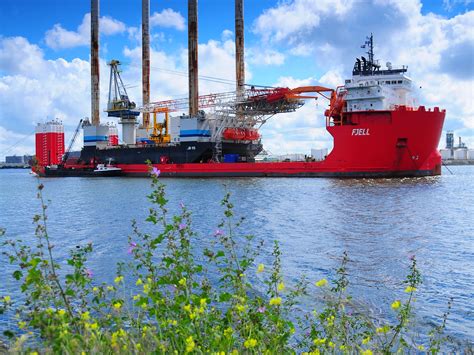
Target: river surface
[380, 223]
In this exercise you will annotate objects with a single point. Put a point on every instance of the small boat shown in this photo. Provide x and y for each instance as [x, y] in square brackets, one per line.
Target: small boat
[107, 170]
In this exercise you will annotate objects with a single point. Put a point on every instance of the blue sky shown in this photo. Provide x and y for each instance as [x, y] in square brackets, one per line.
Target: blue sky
[44, 55]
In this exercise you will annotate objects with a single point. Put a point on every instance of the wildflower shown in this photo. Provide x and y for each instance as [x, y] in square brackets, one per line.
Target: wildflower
[187, 308]
[367, 352]
[281, 286]
[276, 301]
[218, 233]
[240, 308]
[95, 289]
[319, 341]
[139, 282]
[94, 326]
[110, 288]
[61, 312]
[321, 283]
[203, 302]
[261, 309]
[155, 172]
[138, 346]
[396, 305]
[343, 347]
[383, 329]
[235, 352]
[146, 289]
[190, 344]
[260, 268]
[182, 226]
[182, 282]
[228, 332]
[331, 344]
[131, 247]
[136, 297]
[117, 305]
[85, 316]
[421, 347]
[89, 273]
[365, 340]
[7, 299]
[250, 343]
[34, 353]
[22, 325]
[410, 289]
[118, 279]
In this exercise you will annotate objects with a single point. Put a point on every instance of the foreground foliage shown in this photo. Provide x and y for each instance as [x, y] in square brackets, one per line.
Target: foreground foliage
[164, 300]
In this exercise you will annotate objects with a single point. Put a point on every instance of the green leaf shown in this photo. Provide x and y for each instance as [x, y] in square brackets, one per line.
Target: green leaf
[17, 274]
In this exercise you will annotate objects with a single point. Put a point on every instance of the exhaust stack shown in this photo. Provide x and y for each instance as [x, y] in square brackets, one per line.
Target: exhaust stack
[193, 57]
[239, 48]
[95, 91]
[146, 59]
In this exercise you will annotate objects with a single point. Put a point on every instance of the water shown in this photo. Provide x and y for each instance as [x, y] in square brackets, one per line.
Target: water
[380, 223]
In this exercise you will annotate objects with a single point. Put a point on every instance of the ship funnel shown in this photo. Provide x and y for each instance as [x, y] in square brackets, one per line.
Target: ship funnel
[95, 91]
[239, 48]
[146, 59]
[193, 57]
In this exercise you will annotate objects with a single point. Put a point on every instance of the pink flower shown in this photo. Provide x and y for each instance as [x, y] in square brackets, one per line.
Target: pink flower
[218, 232]
[182, 226]
[131, 247]
[261, 309]
[89, 273]
[155, 171]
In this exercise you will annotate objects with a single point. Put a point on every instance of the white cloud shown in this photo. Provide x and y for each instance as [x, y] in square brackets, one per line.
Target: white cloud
[265, 57]
[58, 37]
[168, 18]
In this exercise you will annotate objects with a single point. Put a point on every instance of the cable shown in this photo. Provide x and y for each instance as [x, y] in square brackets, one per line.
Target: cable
[17, 142]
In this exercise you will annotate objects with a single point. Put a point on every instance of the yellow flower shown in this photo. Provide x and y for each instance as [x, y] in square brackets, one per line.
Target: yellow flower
[383, 329]
[343, 347]
[187, 308]
[94, 326]
[250, 343]
[331, 344]
[260, 268]
[146, 289]
[410, 289]
[366, 340]
[228, 332]
[367, 352]
[34, 353]
[85, 316]
[22, 325]
[61, 312]
[139, 282]
[136, 297]
[95, 289]
[138, 346]
[276, 301]
[192, 315]
[235, 352]
[318, 341]
[241, 308]
[281, 286]
[203, 302]
[7, 299]
[182, 282]
[321, 283]
[118, 279]
[396, 305]
[421, 347]
[190, 344]
[110, 288]
[117, 305]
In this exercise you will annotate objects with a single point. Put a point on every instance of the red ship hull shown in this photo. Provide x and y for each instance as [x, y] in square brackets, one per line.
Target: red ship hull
[375, 144]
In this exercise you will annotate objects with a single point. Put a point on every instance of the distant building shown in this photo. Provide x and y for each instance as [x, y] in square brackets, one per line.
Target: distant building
[18, 159]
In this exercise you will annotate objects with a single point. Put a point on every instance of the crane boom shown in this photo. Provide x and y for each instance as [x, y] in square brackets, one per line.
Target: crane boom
[66, 155]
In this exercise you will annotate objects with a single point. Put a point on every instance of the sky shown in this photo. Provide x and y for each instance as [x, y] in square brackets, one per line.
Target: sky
[45, 71]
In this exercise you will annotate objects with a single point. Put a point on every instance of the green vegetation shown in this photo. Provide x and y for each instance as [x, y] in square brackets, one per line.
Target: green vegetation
[163, 301]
